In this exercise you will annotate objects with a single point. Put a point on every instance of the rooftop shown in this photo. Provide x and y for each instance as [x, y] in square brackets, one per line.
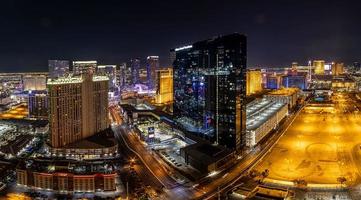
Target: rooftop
[259, 111]
[67, 166]
[106, 66]
[207, 153]
[100, 78]
[284, 91]
[78, 79]
[102, 139]
[85, 62]
[64, 80]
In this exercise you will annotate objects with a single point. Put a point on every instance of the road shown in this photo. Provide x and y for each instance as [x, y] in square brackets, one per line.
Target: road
[231, 177]
[207, 188]
[152, 169]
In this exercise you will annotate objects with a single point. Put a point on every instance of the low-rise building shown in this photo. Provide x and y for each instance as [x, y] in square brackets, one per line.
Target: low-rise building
[207, 157]
[67, 176]
[273, 81]
[343, 83]
[295, 81]
[100, 145]
[262, 117]
[284, 95]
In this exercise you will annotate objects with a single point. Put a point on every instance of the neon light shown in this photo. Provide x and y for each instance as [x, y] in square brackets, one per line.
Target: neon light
[152, 57]
[184, 47]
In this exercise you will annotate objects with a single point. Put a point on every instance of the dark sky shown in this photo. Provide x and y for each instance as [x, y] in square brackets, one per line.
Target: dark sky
[279, 32]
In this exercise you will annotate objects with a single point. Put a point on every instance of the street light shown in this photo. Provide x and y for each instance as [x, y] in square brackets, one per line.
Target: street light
[132, 161]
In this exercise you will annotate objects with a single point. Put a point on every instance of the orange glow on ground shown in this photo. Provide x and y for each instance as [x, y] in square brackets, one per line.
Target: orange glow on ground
[319, 147]
[15, 113]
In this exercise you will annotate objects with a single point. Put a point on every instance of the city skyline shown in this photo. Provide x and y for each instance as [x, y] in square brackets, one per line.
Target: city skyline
[180, 100]
[205, 127]
[36, 32]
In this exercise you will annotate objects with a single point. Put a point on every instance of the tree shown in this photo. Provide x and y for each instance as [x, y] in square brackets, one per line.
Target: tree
[341, 180]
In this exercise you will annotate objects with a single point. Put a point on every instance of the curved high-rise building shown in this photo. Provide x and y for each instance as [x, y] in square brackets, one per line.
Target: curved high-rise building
[78, 108]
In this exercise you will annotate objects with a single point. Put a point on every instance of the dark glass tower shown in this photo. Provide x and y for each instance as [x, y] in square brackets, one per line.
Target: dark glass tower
[210, 88]
[135, 67]
[152, 66]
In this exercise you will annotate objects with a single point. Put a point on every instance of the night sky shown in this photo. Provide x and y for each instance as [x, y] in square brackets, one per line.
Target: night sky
[279, 32]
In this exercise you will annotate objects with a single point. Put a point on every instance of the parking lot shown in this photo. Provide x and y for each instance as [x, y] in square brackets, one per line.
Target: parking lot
[18, 112]
[321, 148]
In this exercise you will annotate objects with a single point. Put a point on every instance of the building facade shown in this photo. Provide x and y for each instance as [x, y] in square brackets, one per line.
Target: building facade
[263, 116]
[254, 81]
[288, 96]
[164, 86]
[125, 75]
[210, 87]
[81, 67]
[337, 69]
[135, 70]
[294, 81]
[111, 72]
[67, 182]
[273, 81]
[34, 82]
[152, 66]
[78, 108]
[319, 66]
[38, 105]
[58, 68]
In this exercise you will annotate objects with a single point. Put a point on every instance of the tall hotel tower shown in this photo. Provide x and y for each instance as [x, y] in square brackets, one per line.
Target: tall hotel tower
[152, 66]
[80, 67]
[210, 88]
[78, 107]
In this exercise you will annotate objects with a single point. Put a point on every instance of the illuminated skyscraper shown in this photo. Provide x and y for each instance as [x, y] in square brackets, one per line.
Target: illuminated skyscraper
[172, 56]
[210, 88]
[78, 108]
[143, 76]
[110, 71]
[34, 82]
[337, 69]
[254, 81]
[152, 66]
[80, 67]
[122, 73]
[319, 67]
[135, 67]
[164, 83]
[38, 105]
[58, 68]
